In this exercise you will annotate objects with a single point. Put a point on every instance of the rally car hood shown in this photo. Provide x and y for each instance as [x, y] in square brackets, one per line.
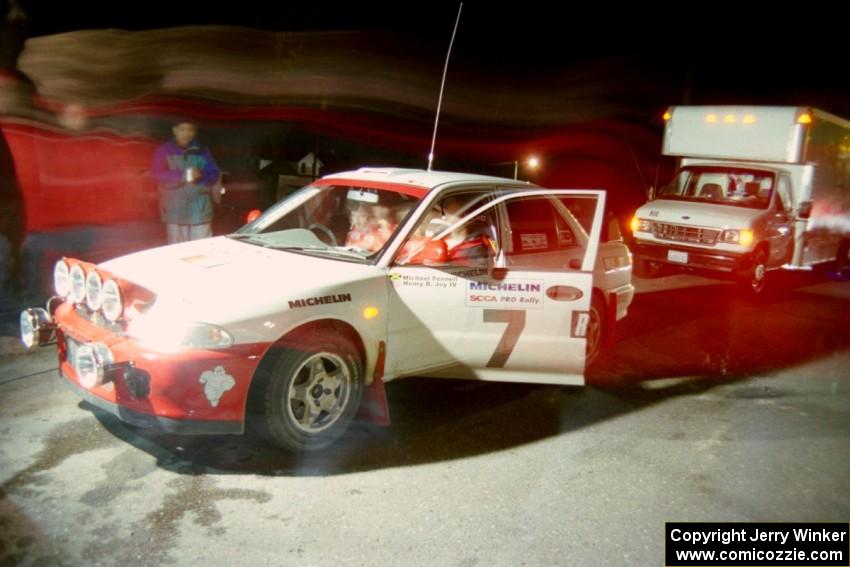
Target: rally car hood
[219, 280]
[693, 213]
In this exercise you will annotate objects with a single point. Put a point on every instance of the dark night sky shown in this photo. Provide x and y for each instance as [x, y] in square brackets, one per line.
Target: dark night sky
[721, 54]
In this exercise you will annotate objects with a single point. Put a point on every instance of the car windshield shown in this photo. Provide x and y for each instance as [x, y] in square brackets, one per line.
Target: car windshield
[342, 221]
[722, 185]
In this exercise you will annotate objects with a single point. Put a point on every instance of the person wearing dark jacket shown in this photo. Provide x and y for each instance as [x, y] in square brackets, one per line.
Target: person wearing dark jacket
[186, 175]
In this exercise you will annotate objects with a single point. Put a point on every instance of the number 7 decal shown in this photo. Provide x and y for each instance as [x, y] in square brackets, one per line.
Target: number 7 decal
[515, 319]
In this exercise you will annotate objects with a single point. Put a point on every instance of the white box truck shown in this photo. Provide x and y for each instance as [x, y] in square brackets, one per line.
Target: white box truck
[756, 189]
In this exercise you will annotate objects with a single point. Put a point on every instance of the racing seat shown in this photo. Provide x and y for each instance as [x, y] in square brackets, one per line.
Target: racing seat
[711, 191]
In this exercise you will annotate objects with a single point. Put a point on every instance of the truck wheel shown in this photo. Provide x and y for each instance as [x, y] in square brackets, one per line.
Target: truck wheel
[753, 281]
[307, 393]
[595, 330]
[647, 268]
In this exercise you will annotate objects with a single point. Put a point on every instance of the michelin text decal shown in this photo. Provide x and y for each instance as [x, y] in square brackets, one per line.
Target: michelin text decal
[506, 294]
[325, 300]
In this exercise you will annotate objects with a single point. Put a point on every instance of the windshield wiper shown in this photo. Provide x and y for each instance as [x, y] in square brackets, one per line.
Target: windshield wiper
[250, 238]
[329, 251]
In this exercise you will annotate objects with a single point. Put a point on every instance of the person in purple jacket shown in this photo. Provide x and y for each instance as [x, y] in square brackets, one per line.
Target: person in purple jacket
[187, 176]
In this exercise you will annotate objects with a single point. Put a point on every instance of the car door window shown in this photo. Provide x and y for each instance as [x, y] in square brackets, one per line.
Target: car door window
[460, 229]
[545, 232]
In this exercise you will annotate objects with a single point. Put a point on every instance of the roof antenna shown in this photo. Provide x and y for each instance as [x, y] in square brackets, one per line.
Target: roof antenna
[442, 86]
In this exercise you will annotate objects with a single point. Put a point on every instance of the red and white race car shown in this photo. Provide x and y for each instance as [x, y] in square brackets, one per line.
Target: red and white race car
[294, 323]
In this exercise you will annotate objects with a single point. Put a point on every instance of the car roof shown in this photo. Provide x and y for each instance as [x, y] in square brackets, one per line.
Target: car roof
[418, 178]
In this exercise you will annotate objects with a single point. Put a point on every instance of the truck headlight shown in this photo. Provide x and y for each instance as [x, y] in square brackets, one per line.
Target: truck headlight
[94, 291]
[743, 236]
[61, 279]
[641, 225]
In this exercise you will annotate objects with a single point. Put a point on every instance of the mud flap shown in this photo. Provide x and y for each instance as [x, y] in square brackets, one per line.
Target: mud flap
[373, 406]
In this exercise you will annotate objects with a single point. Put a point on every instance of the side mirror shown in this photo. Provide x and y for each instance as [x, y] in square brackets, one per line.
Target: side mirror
[805, 210]
[497, 266]
[434, 252]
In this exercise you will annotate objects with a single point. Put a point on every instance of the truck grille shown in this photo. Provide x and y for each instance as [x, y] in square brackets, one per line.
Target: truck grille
[679, 233]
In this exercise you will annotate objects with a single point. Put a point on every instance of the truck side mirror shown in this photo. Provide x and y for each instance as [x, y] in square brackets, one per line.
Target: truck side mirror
[805, 210]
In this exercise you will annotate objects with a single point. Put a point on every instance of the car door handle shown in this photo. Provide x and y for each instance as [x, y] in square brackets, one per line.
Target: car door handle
[563, 293]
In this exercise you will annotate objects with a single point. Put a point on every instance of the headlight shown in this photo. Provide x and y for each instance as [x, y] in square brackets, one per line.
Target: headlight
[78, 284]
[113, 306]
[206, 336]
[641, 225]
[744, 237]
[94, 291]
[61, 279]
[160, 334]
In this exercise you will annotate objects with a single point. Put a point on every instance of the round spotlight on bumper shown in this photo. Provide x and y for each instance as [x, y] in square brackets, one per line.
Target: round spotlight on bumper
[94, 291]
[113, 303]
[78, 284]
[36, 328]
[62, 279]
[91, 362]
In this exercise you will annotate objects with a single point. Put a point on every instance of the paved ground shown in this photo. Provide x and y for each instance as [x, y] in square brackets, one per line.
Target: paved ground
[707, 407]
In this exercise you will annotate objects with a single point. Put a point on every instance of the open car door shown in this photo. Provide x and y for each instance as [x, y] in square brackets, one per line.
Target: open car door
[502, 293]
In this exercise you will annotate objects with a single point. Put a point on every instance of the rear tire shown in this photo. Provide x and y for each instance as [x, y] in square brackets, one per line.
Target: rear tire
[307, 393]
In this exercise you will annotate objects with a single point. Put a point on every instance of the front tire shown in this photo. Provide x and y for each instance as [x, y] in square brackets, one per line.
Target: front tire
[307, 393]
[647, 269]
[753, 281]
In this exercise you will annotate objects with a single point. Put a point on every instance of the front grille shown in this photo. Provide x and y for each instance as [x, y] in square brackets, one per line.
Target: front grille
[679, 233]
[97, 318]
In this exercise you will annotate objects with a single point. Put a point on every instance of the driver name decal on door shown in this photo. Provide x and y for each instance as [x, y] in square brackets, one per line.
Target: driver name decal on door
[506, 294]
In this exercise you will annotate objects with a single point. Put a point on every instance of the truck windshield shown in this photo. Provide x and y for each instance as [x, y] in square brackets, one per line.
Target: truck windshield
[739, 187]
[332, 221]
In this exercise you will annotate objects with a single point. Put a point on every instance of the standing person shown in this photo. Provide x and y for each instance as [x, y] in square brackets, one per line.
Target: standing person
[187, 175]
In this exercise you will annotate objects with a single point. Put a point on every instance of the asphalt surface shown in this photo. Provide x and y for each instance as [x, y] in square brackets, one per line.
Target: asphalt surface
[707, 407]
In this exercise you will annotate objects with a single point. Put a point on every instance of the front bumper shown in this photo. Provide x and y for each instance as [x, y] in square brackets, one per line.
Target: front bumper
[623, 297]
[191, 391]
[154, 422]
[701, 259]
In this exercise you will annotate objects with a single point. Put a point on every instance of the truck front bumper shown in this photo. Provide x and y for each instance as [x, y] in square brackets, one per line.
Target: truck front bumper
[688, 258]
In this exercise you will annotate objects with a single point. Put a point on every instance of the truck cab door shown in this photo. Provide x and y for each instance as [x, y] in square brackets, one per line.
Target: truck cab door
[510, 298]
[779, 229]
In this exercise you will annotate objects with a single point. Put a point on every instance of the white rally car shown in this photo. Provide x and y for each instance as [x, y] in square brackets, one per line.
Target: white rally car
[294, 323]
